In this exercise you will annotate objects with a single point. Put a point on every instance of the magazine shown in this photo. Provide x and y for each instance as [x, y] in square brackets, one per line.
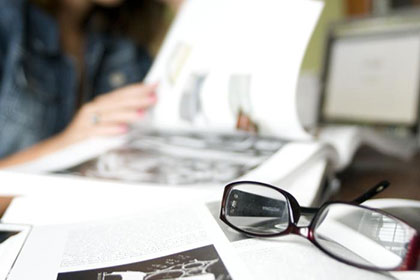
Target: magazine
[221, 112]
[219, 80]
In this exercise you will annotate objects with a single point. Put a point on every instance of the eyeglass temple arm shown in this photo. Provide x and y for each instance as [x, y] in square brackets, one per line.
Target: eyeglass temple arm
[379, 187]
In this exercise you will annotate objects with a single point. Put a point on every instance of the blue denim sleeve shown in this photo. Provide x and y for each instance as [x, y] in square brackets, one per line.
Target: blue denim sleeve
[1, 65]
[11, 17]
[144, 61]
[122, 65]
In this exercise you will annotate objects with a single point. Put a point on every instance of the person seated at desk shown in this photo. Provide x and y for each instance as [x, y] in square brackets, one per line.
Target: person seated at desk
[71, 70]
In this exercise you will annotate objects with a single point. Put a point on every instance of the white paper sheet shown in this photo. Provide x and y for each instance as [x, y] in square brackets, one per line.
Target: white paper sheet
[70, 156]
[58, 199]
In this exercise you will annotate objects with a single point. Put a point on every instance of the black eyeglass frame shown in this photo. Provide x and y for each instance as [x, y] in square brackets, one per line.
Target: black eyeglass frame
[295, 210]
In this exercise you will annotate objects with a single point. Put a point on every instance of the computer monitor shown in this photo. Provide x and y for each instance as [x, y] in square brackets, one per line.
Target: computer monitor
[371, 74]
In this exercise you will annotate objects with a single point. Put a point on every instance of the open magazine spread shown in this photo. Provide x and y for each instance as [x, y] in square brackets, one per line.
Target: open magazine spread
[210, 90]
[216, 78]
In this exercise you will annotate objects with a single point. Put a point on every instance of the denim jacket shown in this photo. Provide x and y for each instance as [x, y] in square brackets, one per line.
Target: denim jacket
[39, 83]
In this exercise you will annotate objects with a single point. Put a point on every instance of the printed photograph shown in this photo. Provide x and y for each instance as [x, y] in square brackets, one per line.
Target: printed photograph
[5, 235]
[177, 60]
[197, 264]
[191, 109]
[164, 157]
[240, 102]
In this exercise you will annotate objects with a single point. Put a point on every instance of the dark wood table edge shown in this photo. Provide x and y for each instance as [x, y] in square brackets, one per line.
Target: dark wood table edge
[4, 204]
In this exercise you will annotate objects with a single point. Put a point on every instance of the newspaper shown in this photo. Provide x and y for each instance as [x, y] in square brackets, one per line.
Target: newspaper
[180, 243]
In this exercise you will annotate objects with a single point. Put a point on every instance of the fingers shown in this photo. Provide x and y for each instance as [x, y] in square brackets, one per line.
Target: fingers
[109, 130]
[115, 117]
[131, 103]
[137, 96]
[125, 105]
[112, 113]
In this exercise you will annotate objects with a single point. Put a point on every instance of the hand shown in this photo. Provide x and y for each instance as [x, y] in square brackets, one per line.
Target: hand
[111, 113]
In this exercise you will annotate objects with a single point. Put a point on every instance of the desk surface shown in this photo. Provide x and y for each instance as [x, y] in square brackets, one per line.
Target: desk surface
[4, 203]
[368, 168]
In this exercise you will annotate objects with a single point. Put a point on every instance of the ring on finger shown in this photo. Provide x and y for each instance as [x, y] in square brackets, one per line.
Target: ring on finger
[95, 118]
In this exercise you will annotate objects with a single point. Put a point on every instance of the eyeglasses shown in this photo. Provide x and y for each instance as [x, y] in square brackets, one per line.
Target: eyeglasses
[354, 234]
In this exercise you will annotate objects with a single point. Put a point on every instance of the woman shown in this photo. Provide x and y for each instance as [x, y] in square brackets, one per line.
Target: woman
[70, 70]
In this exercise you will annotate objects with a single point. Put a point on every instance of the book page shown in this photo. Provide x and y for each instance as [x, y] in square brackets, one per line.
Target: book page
[293, 257]
[154, 245]
[12, 238]
[229, 64]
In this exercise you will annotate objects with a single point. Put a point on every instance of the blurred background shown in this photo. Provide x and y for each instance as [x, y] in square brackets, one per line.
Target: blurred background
[357, 17]
[346, 10]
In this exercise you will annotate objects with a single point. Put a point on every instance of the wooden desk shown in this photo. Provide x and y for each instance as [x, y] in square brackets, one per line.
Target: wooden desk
[368, 168]
[4, 203]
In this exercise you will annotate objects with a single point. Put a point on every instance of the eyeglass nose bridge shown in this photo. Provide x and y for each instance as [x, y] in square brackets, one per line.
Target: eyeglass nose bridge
[303, 231]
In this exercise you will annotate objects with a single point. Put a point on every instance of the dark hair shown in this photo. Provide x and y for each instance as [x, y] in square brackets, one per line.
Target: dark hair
[143, 21]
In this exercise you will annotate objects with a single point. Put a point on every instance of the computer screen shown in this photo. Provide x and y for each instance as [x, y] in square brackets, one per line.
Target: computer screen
[373, 80]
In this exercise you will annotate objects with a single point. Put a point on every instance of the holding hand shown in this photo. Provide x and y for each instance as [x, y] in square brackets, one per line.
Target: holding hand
[111, 113]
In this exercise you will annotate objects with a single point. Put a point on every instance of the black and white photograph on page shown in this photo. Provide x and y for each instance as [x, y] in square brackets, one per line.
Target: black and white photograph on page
[197, 264]
[176, 158]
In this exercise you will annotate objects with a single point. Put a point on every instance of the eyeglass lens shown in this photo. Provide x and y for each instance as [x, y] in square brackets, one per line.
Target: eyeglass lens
[257, 209]
[362, 236]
